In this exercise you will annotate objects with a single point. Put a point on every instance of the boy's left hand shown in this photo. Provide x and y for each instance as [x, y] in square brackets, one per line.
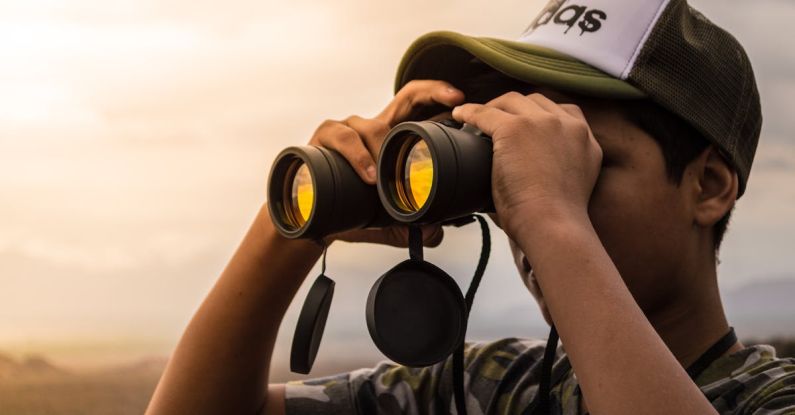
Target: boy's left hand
[545, 163]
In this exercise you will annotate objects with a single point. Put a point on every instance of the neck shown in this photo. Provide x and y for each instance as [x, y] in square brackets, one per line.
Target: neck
[694, 321]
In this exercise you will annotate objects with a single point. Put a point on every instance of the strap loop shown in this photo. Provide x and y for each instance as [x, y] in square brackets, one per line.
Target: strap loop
[415, 243]
[458, 355]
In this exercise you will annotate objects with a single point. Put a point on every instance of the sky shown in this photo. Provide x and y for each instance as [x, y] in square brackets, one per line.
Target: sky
[136, 137]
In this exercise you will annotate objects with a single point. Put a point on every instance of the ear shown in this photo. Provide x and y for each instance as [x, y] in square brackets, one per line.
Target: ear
[715, 186]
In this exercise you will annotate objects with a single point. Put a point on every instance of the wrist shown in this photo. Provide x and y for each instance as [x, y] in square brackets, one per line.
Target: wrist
[270, 240]
[552, 231]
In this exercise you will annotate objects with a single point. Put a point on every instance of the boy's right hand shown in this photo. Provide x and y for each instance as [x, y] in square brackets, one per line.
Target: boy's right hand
[359, 141]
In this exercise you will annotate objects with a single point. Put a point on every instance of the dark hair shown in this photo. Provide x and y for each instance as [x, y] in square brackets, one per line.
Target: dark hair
[679, 142]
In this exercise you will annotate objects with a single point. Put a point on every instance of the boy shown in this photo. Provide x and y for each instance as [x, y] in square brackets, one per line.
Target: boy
[615, 169]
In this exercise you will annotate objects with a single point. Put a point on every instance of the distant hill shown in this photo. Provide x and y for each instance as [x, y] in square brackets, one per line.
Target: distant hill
[35, 386]
[762, 309]
[32, 367]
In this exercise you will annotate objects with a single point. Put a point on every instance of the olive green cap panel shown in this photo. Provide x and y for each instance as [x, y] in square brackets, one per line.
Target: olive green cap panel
[443, 55]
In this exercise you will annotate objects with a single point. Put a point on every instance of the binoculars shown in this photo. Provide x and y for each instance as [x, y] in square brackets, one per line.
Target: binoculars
[427, 172]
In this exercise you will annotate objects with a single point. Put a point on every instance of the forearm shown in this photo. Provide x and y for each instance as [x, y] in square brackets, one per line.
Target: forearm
[622, 364]
[221, 363]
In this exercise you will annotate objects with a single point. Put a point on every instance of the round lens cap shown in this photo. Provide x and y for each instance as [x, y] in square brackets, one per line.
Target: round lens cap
[416, 314]
[311, 323]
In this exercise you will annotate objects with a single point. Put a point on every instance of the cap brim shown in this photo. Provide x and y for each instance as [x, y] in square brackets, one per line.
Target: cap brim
[442, 55]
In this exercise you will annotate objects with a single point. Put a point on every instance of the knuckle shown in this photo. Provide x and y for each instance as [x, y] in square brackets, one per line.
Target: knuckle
[410, 87]
[473, 109]
[417, 89]
[508, 96]
[362, 160]
[412, 84]
[512, 95]
[346, 136]
[324, 130]
[377, 129]
[581, 126]
[369, 129]
[338, 137]
[572, 108]
[326, 124]
[551, 120]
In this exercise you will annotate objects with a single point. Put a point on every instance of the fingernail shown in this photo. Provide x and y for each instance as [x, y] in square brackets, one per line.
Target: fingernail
[452, 90]
[371, 172]
[456, 110]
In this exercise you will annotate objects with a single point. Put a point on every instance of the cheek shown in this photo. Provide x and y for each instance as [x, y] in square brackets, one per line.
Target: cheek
[633, 215]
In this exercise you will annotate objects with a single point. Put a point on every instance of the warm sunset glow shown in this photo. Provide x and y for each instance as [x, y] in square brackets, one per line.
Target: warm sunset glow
[136, 138]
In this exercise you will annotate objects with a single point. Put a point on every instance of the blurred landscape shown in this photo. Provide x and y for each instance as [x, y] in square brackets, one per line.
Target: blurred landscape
[36, 385]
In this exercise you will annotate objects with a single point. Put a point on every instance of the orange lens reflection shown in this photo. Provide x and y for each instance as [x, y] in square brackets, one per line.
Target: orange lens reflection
[418, 175]
[302, 196]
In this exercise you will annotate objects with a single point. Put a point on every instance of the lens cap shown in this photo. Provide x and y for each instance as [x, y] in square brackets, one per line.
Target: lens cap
[311, 323]
[416, 314]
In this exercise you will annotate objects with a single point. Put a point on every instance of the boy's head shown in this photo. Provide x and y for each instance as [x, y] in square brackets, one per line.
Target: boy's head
[670, 97]
[662, 200]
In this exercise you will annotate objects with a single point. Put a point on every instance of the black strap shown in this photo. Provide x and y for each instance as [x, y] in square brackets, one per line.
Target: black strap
[545, 386]
[458, 380]
[415, 242]
[712, 354]
[485, 250]
[323, 262]
[458, 355]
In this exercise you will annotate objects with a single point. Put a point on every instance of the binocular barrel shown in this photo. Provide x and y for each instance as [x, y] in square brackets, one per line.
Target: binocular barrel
[428, 172]
[313, 192]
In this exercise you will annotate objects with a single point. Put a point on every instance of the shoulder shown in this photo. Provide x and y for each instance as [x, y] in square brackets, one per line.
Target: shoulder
[751, 381]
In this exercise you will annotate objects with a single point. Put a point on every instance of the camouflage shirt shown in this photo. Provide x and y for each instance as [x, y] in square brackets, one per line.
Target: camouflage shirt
[502, 377]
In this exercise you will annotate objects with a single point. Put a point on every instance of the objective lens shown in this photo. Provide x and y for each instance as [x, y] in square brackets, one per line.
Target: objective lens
[415, 174]
[430, 172]
[301, 194]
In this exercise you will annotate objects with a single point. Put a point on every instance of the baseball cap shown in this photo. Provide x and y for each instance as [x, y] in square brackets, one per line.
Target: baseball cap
[662, 50]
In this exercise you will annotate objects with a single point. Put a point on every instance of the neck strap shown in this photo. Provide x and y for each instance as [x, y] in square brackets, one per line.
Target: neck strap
[458, 355]
[712, 354]
[540, 404]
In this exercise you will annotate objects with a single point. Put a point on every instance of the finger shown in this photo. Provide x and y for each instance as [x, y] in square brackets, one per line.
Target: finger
[432, 235]
[346, 141]
[515, 103]
[485, 118]
[573, 110]
[576, 112]
[372, 132]
[543, 102]
[418, 93]
[375, 236]
[396, 236]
